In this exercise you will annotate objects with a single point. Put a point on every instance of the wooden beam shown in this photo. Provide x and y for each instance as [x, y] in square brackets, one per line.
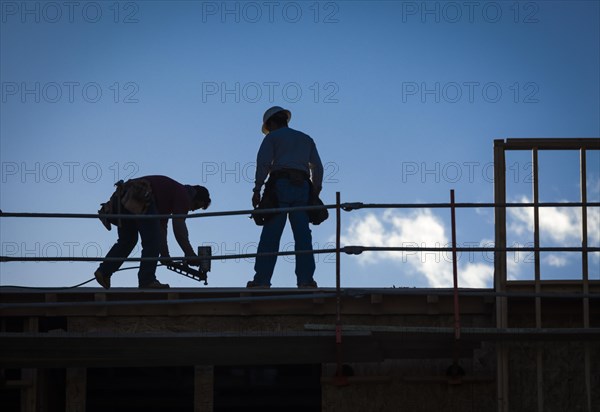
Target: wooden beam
[110, 350]
[29, 394]
[204, 388]
[500, 271]
[194, 302]
[371, 344]
[570, 143]
[76, 389]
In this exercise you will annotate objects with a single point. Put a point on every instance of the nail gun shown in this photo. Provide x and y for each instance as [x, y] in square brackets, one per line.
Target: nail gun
[205, 254]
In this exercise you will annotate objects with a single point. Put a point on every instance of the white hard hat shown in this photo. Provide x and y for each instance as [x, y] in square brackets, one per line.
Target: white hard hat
[270, 112]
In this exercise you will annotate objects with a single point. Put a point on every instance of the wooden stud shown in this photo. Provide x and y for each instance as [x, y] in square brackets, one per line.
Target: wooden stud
[76, 389]
[203, 388]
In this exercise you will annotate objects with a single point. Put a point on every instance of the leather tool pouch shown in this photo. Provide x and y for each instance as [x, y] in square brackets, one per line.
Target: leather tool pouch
[267, 201]
[318, 216]
[137, 196]
[112, 206]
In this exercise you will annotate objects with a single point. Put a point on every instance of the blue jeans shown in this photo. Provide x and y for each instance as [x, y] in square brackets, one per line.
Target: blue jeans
[288, 195]
[149, 230]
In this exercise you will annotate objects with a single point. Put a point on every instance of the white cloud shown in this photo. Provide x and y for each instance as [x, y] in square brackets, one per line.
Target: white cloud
[558, 227]
[593, 216]
[476, 275]
[556, 261]
[561, 225]
[416, 229]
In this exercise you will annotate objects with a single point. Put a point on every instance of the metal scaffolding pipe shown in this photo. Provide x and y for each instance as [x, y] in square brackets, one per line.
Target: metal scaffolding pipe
[345, 206]
[350, 250]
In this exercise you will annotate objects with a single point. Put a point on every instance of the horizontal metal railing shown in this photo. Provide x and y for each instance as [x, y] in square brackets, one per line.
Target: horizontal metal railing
[350, 249]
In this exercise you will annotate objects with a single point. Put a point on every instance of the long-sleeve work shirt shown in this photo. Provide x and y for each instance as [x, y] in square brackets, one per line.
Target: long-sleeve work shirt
[287, 148]
[171, 197]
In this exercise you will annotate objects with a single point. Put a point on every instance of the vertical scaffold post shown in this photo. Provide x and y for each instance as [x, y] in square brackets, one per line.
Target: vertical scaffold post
[455, 372]
[455, 271]
[340, 378]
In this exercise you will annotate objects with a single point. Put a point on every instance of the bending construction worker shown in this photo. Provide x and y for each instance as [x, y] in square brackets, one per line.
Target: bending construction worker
[290, 159]
[147, 196]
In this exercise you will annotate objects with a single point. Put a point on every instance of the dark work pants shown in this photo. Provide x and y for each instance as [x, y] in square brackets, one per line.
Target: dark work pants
[149, 230]
[288, 195]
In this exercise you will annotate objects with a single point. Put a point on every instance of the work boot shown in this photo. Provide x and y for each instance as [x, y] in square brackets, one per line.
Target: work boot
[310, 285]
[155, 284]
[102, 279]
[253, 284]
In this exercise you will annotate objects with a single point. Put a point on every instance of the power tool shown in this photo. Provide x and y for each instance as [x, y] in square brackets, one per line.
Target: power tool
[205, 255]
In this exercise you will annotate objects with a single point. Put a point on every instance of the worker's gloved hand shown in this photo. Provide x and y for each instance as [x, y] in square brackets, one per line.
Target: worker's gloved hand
[255, 199]
[165, 261]
[193, 261]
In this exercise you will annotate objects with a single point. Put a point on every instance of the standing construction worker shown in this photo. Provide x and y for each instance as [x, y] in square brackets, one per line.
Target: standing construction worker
[146, 196]
[291, 160]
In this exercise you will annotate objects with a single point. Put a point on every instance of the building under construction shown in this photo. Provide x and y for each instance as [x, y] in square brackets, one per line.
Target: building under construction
[518, 346]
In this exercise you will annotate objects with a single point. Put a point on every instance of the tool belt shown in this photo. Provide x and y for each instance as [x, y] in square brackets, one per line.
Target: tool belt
[135, 196]
[269, 197]
[296, 177]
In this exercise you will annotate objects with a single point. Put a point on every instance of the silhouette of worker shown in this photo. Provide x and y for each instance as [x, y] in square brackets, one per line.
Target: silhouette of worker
[147, 196]
[290, 159]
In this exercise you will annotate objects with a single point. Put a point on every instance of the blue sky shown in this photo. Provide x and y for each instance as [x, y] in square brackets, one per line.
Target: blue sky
[404, 100]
